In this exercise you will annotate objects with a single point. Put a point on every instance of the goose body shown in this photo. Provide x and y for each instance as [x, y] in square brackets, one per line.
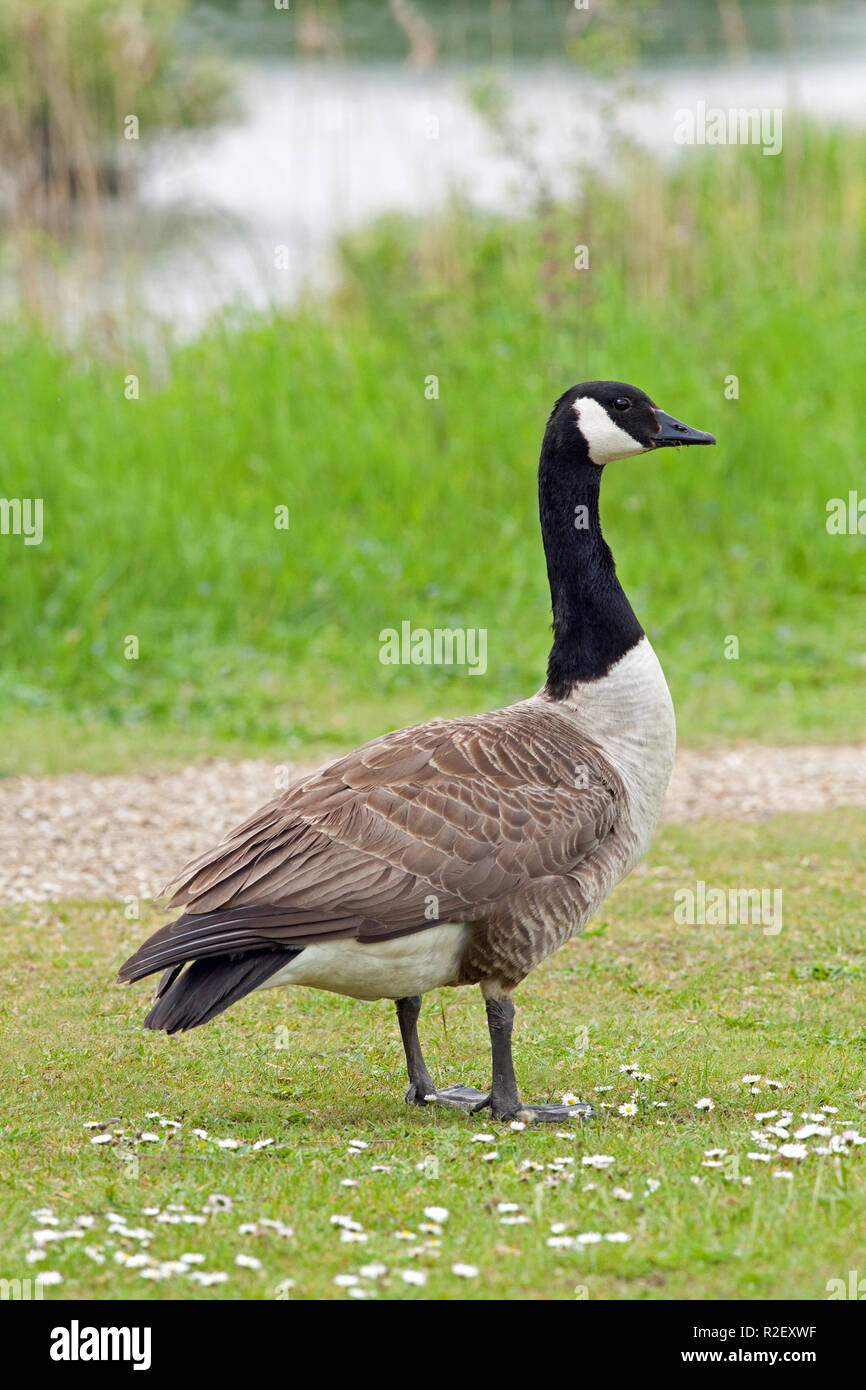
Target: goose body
[462, 851]
[632, 716]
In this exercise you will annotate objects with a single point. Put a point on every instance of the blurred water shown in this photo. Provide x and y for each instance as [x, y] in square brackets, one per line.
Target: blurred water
[319, 149]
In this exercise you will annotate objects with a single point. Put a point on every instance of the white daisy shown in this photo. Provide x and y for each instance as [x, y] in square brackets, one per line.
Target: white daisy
[437, 1214]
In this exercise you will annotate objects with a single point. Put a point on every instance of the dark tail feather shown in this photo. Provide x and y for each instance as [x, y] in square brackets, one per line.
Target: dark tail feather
[184, 1000]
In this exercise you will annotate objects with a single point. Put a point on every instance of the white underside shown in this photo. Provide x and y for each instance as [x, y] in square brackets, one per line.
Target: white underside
[380, 970]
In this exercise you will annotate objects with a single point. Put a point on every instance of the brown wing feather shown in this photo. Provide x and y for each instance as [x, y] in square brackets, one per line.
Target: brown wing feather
[466, 809]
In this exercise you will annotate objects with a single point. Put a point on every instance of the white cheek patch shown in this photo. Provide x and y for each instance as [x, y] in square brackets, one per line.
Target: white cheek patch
[604, 439]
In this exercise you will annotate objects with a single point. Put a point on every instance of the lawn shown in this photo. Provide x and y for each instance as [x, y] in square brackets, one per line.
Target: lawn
[694, 1009]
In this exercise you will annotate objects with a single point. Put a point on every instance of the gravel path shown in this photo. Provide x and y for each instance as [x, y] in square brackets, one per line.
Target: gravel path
[79, 836]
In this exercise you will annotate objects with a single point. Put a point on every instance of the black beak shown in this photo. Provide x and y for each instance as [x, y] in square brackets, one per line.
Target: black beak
[674, 432]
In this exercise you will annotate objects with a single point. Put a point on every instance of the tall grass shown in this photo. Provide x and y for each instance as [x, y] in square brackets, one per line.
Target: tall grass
[159, 512]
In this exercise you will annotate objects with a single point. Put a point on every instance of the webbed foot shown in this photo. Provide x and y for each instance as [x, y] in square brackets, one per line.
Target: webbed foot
[505, 1108]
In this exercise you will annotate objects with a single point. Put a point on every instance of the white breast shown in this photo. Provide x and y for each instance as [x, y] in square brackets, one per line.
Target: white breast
[630, 715]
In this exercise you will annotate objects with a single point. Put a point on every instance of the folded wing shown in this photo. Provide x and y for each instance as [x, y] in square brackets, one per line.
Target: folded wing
[430, 824]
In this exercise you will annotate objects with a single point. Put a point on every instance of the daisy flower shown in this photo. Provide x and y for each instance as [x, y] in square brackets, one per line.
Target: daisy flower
[437, 1214]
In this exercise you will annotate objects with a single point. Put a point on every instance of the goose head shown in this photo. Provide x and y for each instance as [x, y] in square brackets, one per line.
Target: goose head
[612, 420]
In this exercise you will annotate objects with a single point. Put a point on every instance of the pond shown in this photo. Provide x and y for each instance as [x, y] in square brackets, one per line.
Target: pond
[248, 214]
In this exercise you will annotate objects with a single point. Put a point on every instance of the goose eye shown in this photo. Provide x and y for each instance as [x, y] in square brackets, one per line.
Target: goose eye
[621, 403]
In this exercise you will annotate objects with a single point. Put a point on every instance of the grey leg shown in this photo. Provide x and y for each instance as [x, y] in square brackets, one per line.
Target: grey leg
[420, 1081]
[504, 1100]
[421, 1087]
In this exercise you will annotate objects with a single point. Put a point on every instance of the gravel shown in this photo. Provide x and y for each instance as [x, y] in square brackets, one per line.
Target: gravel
[87, 837]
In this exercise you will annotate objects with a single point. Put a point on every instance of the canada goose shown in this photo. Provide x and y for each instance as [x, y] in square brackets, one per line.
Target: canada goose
[463, 851]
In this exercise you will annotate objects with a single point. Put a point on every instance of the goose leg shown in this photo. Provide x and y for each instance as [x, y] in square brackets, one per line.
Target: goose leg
[420, 1081]
[503, 1100]
[421, 1086]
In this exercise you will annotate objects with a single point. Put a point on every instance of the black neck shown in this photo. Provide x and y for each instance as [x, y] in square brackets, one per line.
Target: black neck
[593, 622]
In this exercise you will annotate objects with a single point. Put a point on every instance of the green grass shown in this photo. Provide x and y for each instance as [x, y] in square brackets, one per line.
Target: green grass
[159, 512]
[696, 1007]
